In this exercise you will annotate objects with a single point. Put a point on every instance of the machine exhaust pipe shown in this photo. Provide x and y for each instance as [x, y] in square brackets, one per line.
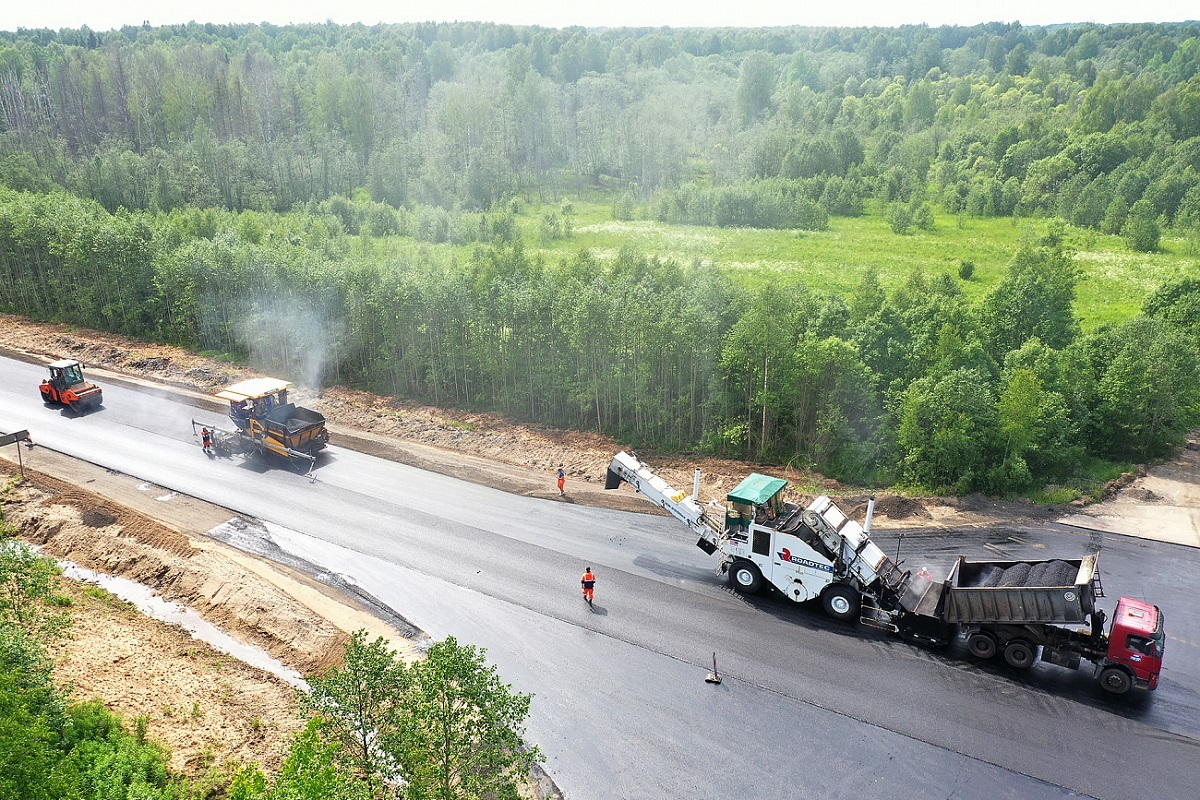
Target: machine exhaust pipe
[870, 513]
[696, 488]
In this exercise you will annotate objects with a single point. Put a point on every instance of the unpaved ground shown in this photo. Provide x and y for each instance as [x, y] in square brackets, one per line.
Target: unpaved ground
[207, 707]
[483, 448]
[1162, 504]
[143, 668]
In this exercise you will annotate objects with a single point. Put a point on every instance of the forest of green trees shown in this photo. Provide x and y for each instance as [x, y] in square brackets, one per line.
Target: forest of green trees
[241, 189]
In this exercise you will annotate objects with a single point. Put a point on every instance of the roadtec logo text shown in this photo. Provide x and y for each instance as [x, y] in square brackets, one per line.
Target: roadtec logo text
[786, 555]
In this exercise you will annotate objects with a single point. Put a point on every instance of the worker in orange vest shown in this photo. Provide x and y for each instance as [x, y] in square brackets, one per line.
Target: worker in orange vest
[588, 582]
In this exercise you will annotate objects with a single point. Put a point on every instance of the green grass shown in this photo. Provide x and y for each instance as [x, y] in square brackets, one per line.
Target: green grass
[229, 358]
[1113, 282]
[1088, 483]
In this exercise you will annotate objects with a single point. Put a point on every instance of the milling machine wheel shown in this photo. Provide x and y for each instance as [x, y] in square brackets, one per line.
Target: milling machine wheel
[745, 577]
[841, 602]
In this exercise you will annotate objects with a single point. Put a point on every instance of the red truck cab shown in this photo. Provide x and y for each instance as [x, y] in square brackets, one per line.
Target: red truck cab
[1135, 647]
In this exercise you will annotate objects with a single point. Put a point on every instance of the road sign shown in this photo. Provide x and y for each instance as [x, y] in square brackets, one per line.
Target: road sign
[9, 438]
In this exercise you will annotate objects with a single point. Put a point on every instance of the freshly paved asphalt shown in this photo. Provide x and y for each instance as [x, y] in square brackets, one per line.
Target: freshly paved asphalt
[808, 707]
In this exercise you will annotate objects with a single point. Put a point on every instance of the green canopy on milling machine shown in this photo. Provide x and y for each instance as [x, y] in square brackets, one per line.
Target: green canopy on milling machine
[756, 489]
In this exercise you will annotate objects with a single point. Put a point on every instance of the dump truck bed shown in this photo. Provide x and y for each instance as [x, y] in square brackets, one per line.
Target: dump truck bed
[1051, 591]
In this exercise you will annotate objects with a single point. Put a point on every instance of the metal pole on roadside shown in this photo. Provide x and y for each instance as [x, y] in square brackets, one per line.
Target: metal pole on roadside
[16, 438]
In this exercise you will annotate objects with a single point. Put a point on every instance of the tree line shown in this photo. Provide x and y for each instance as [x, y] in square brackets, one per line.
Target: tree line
[1098, 124]
[916, 385]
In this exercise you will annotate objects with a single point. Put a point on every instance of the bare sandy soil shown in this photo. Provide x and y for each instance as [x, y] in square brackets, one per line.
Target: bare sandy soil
[208, 708]
[142, 668]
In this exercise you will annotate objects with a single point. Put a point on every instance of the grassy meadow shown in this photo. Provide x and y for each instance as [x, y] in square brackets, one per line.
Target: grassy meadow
[1113, 279]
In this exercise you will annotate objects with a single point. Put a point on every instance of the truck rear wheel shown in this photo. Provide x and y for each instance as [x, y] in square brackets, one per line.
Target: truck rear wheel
[1115, 680]
[1019, 654]
[841, 602]
[745, 577]
[981, 645]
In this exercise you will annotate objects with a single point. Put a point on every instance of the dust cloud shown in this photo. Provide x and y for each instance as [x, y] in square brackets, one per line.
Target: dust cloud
[290, 337]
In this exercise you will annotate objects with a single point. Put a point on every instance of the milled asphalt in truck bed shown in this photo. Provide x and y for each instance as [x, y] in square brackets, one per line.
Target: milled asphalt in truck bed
[839, 711]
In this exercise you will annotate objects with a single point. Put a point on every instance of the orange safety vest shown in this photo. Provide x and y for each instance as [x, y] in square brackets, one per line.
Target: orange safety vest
[589, 580]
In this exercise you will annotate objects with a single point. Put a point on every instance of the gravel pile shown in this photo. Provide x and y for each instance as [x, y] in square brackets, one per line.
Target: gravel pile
[1037, 575]
[1061, 573]
[1045, 573]
[1016, 575]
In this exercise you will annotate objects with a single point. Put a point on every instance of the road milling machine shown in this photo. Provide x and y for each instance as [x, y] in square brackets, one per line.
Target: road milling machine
[1021, 610]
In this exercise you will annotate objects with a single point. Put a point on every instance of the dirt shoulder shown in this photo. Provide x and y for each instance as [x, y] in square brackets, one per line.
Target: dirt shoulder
[207, 707]
[479, 447]
[1162, 503]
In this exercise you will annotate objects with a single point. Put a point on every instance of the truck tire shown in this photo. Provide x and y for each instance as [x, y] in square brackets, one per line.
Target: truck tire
[841, 602]
[981, 645]
[1115, 680]
[1020, 654]
[745, 577]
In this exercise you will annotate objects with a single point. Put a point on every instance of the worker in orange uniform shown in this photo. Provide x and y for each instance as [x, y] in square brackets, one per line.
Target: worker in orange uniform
[562, 481]
[588, 581]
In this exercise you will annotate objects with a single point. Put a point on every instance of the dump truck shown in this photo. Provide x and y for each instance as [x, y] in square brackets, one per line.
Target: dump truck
[1018, 608]
[264, 421]
[66, 386]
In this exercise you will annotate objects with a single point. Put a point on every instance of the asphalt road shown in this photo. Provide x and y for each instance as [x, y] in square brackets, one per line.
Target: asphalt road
[808, 707]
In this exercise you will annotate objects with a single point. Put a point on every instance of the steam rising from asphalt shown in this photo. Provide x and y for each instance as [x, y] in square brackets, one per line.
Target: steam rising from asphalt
[289, 336]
